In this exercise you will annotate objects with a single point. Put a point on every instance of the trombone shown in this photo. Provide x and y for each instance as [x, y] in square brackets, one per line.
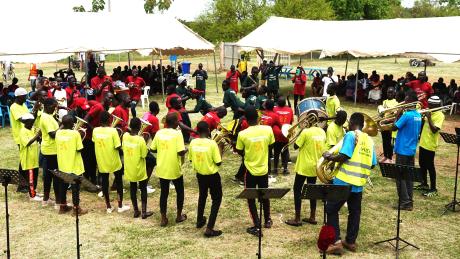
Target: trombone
[387, 116]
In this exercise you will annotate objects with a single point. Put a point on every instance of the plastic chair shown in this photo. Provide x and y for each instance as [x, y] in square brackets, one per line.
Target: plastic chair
[145, 96]
[4, 114]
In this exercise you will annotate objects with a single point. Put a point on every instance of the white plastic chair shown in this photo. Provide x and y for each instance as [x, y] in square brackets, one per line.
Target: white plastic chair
[145, 96]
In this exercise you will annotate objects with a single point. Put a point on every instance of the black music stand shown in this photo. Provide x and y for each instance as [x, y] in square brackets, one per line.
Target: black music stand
[262, 194]
[325, 192]
[8, 176]
[399, 172]
[78, 180]
[453, 139]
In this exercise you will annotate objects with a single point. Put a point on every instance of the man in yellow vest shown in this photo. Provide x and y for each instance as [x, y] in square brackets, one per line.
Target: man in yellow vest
[357, 157]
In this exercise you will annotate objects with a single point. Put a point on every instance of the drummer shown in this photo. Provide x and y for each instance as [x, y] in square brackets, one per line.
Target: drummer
[332, 101]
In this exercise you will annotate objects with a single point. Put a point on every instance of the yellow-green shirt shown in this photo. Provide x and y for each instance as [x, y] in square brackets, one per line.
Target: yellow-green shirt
[204, 154]
[255, 141]
[312, 145]
[428, 139]
[134, 153]
[48, 124]
[390, 104]
[332, 106]
[28, 155]
[16, 112]
[69, 145]
[334, 134]
[168, 142]
[106, 141]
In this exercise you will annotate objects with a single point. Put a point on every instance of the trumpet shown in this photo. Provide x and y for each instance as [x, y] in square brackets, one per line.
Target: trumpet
[79, 126]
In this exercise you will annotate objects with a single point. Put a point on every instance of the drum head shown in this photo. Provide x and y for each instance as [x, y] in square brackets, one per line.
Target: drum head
[310, 104]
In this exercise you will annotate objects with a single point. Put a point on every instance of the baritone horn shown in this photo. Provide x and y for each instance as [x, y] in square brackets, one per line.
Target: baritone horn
[115, 121]
[79, 126]
[325, 169]
[144, 125]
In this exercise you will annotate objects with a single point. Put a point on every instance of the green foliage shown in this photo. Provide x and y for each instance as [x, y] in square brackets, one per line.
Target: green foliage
[79, 8]
[365, 9]
[150, 5]
[97, 5]
[304, 9]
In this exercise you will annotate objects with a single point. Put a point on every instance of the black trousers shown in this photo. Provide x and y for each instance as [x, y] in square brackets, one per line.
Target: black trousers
[213, 184]
[48, 178]
[179, 186]
[426, 161]
[186, 121]
[118, 183]
[32, 179]
[298, 184]
[387, 144]
[251, 181]
[75, 193]
[89, 160]
[133, 191]
[354, 216]
[277, 147]
[405, 187]
[23, 174]
[240, 174]
[297, 98]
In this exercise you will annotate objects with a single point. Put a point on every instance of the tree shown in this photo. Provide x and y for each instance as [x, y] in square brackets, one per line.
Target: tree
[149, 6]
[304, 9]
[365, 9]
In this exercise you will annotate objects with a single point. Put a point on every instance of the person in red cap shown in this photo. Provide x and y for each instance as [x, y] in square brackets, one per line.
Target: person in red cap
[135, 84]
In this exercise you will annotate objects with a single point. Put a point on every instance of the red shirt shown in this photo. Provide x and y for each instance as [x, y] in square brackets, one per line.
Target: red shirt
[94, 112]
[423, 90]
[211, 119]
[271, 118]
[168, 99]
[138, 84]
[285, 114]
[299, 84]
[96, 84]
[70, 93]
[233, 78]
[152, 130]
[122, 113]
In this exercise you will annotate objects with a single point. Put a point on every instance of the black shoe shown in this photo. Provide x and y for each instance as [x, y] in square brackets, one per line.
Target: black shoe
[146, 214]
[268, 223]
[213, 233]
[285, 172]
[201, 223]
[253, 231]
[22, 190]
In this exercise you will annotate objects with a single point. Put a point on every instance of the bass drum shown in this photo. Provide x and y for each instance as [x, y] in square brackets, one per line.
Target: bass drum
[313, 105]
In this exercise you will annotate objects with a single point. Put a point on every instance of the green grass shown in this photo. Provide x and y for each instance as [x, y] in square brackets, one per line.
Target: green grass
[38, 232]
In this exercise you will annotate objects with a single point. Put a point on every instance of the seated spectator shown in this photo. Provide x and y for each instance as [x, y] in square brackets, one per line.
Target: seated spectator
[13, 86]
[375, 94]
[440, 89]
[451, 91]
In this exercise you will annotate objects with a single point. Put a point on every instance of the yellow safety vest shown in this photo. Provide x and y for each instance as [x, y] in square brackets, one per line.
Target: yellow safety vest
[357, 169]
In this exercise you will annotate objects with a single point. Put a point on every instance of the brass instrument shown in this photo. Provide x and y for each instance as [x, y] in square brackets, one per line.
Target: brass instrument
[144, 124]
[293, 132]
[223, 138]
[441, 108]
[387, 116]
[115, 121]
[79, 126]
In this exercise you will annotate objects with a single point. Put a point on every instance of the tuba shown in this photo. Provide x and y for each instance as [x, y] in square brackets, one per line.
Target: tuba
[79, 126]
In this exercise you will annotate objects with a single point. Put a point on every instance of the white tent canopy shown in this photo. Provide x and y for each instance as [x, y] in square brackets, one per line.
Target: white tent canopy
[364, 38]
[62, 34]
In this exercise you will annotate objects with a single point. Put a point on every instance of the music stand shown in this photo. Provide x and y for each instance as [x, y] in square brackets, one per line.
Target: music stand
[78, 180]
[325, 192]
[399, 172]
[262, 194]
[8, 176]
[453, 139]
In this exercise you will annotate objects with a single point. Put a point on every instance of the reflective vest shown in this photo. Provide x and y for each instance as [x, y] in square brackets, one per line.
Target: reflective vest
[357, 169]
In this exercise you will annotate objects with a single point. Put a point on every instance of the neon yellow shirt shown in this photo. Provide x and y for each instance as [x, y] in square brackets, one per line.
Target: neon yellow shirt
[312, 145]
[69, 145]
[428, 139]
[334, 134]
[106, 141]
[28, 155]
[48, 124]
[255, 141]
[168, 142]
[134, 152]
[204, 154]
[16, 112]
[332, 106]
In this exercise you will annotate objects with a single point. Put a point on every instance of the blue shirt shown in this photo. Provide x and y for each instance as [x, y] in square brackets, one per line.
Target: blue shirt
[347, 149]
[409, 126]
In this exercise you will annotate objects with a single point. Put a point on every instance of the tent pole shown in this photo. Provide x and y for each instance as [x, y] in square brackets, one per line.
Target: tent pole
[356, 81]
[300, 63]
[233, 53]
[346, 65]
[129, 60]
[426, 60]
[215, 72]
[152, 59]
[118, 58]
[162, 78]
[69, 63]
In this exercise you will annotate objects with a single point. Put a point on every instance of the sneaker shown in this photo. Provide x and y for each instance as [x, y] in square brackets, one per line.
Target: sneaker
[171, 186]
[109, 210]
[268, 223]
[253, 231]
[39, 194]
[36, 198]
[100, 194]
[431, 193]
[271, 179]
[48, 202]
[150, 190]
[123, 209]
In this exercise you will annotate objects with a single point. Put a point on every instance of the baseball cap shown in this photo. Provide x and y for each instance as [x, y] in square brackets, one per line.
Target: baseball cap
[434, 100]
[181, 79]
[82, 103]
[20, 92]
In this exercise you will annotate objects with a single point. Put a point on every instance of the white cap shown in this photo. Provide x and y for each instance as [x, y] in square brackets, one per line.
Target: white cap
[181, 79]
[27, 116]
[20, 92]
[434, 100]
